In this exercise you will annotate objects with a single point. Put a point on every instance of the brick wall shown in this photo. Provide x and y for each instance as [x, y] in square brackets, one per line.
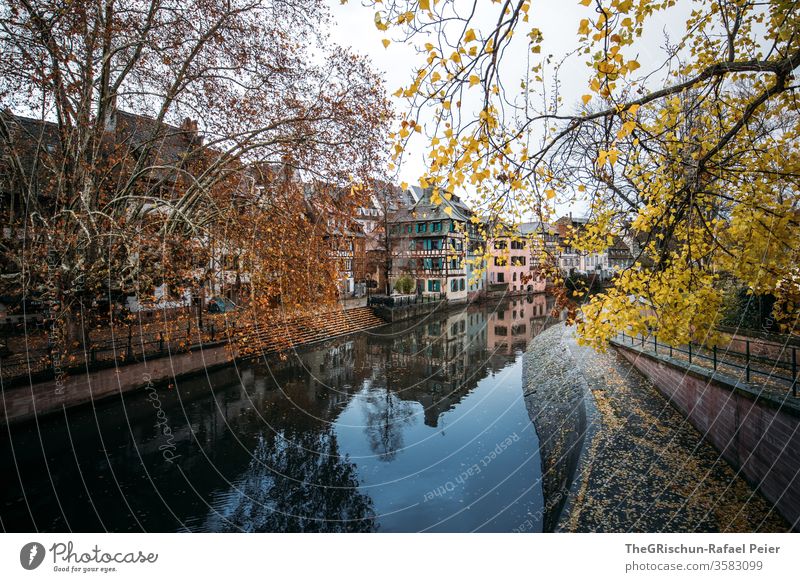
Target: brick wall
[754, 433]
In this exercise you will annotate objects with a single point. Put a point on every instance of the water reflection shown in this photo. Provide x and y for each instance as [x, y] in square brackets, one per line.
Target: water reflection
[286, 489]
[402, 429]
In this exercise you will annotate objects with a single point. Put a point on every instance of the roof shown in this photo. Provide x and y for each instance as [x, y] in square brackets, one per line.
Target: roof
[536, 228]
[131, 132]
[424, 208]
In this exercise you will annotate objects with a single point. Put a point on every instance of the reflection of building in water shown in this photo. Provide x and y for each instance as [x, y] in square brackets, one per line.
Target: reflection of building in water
[436, 362]
[510, 329]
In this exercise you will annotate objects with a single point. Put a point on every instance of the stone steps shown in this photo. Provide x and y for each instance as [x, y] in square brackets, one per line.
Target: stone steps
[293, 333]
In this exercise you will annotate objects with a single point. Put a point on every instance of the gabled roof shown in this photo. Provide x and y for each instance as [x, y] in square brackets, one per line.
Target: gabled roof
[527, 228]
[424, 209]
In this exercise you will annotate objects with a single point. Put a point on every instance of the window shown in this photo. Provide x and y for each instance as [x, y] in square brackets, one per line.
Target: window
[501, 277]
[408, 228]
[517, 244]
[452, 226]
[500, 330]
[518, 261]
[412, 245]
[454, 264]
[434, 285]
[453, 285]
[462, 285]
[514, 278]
[436, 227]
[500, 262]
[432, 264]
[499, 245]
[432, 244]
[422, 227]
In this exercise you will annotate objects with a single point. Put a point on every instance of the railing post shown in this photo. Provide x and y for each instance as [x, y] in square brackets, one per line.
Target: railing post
[690, 351]
[794, 371]
[747, 364]
[655, 345]
[715, 358]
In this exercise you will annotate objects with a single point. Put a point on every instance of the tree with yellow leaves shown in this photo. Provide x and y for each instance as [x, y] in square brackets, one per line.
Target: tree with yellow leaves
[694, 161]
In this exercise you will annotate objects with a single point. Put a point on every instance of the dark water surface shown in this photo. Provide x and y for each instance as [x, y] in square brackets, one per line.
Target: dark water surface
[415, 426]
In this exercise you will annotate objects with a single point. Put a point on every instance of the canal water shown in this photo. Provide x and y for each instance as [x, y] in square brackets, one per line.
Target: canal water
[417, 426]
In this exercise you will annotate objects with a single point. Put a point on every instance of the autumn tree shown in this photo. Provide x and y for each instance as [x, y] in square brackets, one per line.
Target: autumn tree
[692, 159]
[110, 185]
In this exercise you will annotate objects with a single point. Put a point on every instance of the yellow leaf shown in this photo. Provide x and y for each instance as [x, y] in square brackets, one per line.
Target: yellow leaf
[633, 65]
[585, 2]
[386, 42]
[424, 4]
[469, 36]
[586, 99]
[474, 80]
[378, 23]
[550, 193]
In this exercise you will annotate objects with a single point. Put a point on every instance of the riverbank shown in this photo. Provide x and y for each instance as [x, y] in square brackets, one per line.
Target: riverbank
[87, 382]
[642, 467]
[37, 392]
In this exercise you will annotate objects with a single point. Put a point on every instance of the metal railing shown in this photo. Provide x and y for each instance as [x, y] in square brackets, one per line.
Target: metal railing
[745, 362]
[403, 300]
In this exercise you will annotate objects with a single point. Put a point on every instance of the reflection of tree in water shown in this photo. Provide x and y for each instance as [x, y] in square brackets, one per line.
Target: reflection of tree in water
[387, 416]
[297, 484]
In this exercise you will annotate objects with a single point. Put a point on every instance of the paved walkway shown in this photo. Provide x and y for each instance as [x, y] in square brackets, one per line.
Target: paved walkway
[643, 467]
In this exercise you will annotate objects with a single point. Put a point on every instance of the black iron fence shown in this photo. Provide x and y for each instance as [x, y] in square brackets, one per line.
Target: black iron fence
[402, 300]
[734, 359]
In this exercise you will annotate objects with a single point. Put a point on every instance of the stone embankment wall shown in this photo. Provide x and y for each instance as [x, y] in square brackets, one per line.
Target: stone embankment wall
[25, 402]
[757, 433]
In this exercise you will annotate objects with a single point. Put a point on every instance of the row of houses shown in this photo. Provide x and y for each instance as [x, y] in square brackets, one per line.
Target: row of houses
[441, 247]
[397, 234]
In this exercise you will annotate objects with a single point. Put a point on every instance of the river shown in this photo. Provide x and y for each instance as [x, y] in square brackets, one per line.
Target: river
[416, 426]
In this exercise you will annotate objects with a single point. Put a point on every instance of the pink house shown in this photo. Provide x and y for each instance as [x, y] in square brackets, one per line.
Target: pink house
[514, 259]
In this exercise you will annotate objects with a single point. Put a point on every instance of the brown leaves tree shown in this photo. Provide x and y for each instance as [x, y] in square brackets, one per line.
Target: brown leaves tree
[110, 186]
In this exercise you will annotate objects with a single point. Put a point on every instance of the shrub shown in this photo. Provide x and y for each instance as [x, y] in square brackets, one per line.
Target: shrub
[404, 285]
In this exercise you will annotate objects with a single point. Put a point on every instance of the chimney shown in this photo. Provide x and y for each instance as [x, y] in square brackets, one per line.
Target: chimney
[189, 128]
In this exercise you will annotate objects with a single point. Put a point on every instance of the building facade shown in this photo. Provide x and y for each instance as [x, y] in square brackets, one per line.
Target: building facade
[430, 244]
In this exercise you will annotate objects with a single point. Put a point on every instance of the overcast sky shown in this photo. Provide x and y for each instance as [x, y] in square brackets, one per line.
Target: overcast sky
[558, 20]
